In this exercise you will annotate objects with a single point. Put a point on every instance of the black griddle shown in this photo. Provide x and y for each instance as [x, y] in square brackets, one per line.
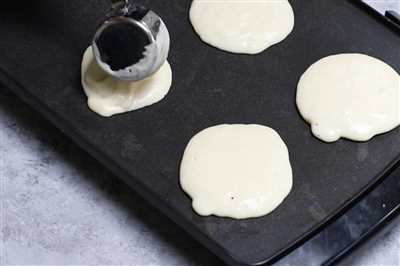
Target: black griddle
[41, 49]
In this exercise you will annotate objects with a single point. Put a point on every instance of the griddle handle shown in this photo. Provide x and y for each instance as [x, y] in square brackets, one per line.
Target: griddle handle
[390, 18]
[393, 16]
[118, 3]
[375, 209]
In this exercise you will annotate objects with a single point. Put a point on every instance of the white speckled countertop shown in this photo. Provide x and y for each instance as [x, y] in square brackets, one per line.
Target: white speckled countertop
[60, 207]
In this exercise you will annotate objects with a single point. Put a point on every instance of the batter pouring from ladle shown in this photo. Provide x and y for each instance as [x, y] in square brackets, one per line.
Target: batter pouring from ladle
[126, 67]
[132, 43]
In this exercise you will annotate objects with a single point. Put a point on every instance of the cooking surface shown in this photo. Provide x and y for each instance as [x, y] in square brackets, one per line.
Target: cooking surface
[44, 47]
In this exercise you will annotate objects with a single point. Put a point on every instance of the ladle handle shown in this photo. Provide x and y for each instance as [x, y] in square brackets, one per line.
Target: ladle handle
[118, 3]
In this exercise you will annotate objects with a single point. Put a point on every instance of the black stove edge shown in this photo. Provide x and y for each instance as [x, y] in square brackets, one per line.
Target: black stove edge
[374, 208]
[383, 223]
[391, 18]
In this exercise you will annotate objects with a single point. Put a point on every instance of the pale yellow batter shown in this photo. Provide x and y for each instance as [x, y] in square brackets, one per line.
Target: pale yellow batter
[353, 96]
[108, 96]
[242, 26]
[238, 171]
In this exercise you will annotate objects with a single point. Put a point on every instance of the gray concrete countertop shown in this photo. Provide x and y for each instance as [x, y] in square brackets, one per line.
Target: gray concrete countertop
[61, 207]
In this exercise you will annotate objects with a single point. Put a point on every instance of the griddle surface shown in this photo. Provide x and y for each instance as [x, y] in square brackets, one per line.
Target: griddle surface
[41, 49]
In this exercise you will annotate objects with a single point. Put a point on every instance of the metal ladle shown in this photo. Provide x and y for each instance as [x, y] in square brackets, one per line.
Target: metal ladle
[132, 43]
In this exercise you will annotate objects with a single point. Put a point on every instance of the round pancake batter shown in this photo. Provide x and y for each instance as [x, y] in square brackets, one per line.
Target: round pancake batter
[242, 26]
[354, 96]
[108, 96]
[237, 171]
